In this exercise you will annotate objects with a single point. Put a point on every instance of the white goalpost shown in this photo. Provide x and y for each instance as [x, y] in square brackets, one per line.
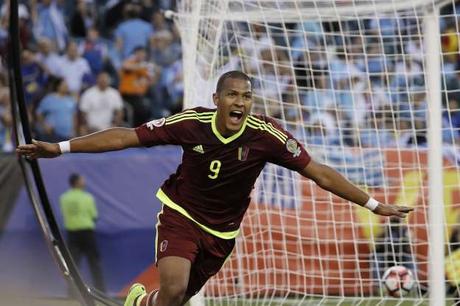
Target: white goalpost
[435, 187]
[372, 88]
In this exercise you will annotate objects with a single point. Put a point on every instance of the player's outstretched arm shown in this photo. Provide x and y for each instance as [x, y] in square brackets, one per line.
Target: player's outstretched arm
[330, 180]
[107, 140]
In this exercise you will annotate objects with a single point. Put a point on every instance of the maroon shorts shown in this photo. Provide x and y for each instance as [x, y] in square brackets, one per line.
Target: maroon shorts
[179, 236]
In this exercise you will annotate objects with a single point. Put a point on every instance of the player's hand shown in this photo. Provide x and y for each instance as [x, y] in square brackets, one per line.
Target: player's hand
[39, 149]
[392, 210]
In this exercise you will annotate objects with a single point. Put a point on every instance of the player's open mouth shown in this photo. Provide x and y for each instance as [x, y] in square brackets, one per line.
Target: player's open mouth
[236, 116]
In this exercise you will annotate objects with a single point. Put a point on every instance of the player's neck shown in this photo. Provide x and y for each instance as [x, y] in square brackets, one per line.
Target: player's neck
[224, 131]
[221, 127]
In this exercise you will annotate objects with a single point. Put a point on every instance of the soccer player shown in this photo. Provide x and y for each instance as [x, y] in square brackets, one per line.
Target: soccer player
[204, 202]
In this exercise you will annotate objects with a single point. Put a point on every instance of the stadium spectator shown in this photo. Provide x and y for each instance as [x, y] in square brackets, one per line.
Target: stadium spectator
[136, 78]
[113, 13]
[205, 201]
[23, 12]
[75, 69]
[163, 50]
[378, 129]
[34, 78]
[404, 133]
[148, 8]
[342, 71]
[416, 113]
[450, 42]
[94, 50]
[451, 121]
[25, 32]
[83, 19]
[452, 85]
[166, 4]
[318, 101]
[450, 47]
[50, 23]
[56, 113]
[3, 36]
[376, 62]
[413, 49]
[46, 55]
[101, 105]
[355, 49]
[172, 81]
[308, 34]
[361, 100]
[159, 22]
[253, 43]
[407, 73]
[133, 32]
[6, 122]
[386, 29]
[80, 214]
[273, 72]
[322, 130]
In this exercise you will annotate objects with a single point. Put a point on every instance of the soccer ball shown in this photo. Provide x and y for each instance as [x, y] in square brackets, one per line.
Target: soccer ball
[398, 281]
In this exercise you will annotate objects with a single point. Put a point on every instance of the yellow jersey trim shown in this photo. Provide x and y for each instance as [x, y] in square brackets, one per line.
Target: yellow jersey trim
[187, 112]
[202, 117]
[156, 234]
[204, 120]
[170, 203]
[263, 127]
[219, 135]
[269, 126]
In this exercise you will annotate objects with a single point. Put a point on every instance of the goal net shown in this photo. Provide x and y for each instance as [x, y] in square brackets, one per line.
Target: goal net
[349, 80]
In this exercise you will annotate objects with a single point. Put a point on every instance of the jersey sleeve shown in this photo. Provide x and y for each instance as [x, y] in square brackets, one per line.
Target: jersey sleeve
[172, 130]
[285, 150]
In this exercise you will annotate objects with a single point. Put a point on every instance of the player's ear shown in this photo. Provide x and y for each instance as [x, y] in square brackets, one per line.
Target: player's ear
[215, 98]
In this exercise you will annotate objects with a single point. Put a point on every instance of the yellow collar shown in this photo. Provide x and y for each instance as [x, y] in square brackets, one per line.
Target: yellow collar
[219, 135]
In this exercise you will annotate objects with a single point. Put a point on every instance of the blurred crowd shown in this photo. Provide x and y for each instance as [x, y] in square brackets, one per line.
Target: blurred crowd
[352, 83]
[95, 64]
[88, 65]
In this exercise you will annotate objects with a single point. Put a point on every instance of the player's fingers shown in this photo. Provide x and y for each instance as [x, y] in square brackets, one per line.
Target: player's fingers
[397, 213]
[24, 150]
[405, 209]
[27, 147]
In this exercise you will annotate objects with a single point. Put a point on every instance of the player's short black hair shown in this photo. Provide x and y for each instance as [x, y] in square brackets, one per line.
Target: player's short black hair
[73, 179]
[234, 74]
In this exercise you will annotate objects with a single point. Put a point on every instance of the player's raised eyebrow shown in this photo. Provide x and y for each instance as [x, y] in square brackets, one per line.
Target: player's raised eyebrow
[239, 91]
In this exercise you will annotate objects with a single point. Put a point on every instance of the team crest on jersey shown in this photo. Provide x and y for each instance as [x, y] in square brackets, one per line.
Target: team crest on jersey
[163, 245]
[243, 153]
[156, 123]
[293, 147]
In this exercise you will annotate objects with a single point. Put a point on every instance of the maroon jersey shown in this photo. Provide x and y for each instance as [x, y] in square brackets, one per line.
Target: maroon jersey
[212, 186]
